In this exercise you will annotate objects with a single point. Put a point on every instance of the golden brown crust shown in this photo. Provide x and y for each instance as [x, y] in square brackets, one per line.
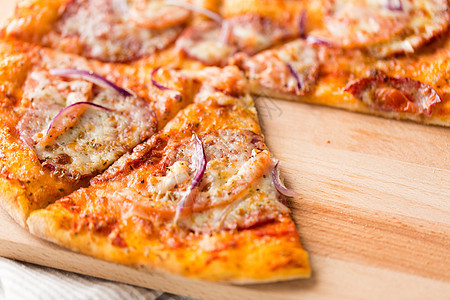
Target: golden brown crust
[241, 264]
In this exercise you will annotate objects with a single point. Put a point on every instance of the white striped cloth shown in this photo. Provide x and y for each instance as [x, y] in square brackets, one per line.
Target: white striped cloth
[20, 280]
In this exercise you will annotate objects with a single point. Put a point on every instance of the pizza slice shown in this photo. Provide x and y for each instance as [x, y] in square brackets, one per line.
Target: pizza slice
[198, 199]
[413, 87]
[65, 119]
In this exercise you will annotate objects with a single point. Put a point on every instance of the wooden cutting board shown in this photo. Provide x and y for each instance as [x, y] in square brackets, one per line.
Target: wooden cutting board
[374, 210]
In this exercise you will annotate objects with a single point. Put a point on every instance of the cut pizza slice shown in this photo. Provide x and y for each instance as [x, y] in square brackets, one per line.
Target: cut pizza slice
[413, 88]
[65, 119]
[112, 31]
[198, 199]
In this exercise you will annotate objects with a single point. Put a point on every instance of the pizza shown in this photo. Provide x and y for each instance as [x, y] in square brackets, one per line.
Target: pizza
[151, 209]
[93, 164]
[62, 126]
[129, 133]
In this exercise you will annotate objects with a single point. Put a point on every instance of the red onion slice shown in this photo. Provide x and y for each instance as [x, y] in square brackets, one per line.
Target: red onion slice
[199, 160]
[317, 41]
[63, 111]
[395, 6]
[225, 32]
[162, 87]
[296, 76]
[279, 184]
[156, 83]
[92, 77]
[201, 10]
[302, 25]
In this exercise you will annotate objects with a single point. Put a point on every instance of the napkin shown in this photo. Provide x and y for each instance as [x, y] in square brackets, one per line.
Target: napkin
[20, 280]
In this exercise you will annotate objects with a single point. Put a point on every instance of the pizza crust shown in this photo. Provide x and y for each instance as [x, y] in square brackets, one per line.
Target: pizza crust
[347, 102]
[45, 224]
[12, 199]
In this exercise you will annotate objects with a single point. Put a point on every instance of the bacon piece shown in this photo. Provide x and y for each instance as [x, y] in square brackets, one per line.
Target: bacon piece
[398, 94]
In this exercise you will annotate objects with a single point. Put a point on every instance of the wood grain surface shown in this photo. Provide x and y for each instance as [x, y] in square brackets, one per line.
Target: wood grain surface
[374, 210]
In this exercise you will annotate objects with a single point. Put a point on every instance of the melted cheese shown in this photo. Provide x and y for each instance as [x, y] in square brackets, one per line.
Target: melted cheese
[258, 205]
[105, 32]
[157, 14]
[270, 69]
[204, 43]
[236, 190]
[97, 139]
[429, 18]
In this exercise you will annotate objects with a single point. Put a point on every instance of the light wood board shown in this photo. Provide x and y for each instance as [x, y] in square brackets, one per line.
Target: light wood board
[374, 211]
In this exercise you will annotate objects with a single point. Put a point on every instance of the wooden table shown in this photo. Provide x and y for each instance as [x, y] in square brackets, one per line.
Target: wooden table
[374, 210]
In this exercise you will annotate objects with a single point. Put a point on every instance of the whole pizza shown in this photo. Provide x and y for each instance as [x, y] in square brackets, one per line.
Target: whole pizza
[129, 133]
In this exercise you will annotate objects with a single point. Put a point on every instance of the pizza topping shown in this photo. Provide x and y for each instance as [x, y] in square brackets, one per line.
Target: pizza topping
[212, 43]
[92, 77]
[225, 30]
[201, 10]
[205, 44]
[291, 69]
[258, 206]
[157, 14]
[279, 183]
[395, 5]
[65, 119]
[361, 23]
[161, 87]
[226, 164]
[228, 80]
[88, 138]
[318, 41]
[252, 33]
[101, 29]
[427, 20]
[199, 162]
[302, 25]
[398, 94]
[384, 27]
[235, 184]
[231, 189]
[295, 75]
